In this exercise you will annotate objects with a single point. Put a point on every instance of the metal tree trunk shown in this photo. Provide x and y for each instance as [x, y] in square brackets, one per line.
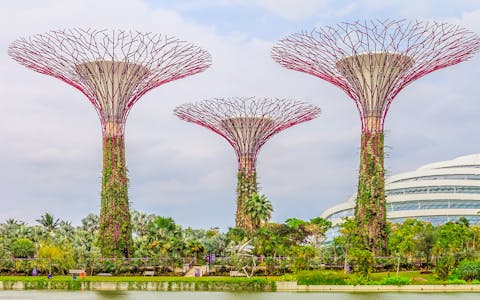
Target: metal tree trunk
[115, 223]
[370, 210]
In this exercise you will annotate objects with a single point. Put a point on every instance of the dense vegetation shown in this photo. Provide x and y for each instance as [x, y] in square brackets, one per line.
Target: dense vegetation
[450, 250]
[447, 252]
[160, 283]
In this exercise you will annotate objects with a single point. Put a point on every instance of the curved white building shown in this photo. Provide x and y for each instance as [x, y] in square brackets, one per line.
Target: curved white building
[438, 192]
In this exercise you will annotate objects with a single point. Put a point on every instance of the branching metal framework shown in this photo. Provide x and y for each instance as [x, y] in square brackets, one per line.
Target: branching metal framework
[247, 123]
[372, 61]
[113, 68]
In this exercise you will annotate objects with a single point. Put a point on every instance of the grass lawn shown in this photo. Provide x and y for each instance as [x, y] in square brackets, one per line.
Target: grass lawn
[375, 278]
[414, 276]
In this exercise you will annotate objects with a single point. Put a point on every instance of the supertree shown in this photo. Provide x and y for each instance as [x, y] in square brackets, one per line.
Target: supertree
[246, 124]
[372, 61]
[113, 68]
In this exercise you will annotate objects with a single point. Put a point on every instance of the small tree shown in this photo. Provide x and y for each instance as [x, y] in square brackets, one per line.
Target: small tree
[259, 209]
[450, 247]
[405, 239]
[56, 258]
[347, 240]
[364, 261]
[317, 229]
[22, 248]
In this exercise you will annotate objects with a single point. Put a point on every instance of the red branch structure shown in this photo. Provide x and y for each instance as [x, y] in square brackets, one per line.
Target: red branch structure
[372, 61]
[113, 68]
[247, 123]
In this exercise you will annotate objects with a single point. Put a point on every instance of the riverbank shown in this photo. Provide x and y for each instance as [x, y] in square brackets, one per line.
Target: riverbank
[292, 286]
[138, 283]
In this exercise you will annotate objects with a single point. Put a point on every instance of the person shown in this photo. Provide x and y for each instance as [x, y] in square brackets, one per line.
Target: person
[49, 276]
[34, 272]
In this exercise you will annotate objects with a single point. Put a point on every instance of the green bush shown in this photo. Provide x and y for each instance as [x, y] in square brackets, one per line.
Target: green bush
[444, 267]
[289, 277]
[359, 280]
[22, 248]
[468, 270]
[395, 281]
[321, 277]
[456, 281]
[364, 261]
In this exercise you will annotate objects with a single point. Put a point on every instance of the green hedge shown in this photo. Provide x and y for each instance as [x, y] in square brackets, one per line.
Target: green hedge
[140, 283]
[321, 278]
[395, 281]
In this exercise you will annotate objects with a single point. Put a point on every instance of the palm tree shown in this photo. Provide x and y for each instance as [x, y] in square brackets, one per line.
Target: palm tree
[141, 222]
[66, 230]
[12, 229]
[48, 222]
[259, 209]
[90, 223]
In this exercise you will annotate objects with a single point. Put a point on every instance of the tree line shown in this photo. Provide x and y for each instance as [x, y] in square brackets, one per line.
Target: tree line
[55, 246]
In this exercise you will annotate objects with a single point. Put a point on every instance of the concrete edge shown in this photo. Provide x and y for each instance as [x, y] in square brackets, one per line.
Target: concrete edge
[292, 286]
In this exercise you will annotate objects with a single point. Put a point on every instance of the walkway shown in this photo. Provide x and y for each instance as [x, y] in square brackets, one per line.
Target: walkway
[191, 272]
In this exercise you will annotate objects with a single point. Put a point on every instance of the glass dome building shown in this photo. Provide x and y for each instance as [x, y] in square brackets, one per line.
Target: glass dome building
[437, 193]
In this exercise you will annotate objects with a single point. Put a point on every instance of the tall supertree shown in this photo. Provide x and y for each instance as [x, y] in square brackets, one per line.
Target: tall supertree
[372, 61]
[113, 68]
[246, 124]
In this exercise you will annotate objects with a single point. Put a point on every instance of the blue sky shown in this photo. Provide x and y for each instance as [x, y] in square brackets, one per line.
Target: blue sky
[51, 139]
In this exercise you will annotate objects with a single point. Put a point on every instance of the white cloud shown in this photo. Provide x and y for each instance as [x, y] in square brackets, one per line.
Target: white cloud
[470, 19]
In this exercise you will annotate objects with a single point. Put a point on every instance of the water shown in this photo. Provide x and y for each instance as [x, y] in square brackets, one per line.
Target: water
[137, 295]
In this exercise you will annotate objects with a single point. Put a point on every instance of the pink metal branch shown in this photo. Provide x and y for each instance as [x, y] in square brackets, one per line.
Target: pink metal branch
[113, 68]
[372, 61]
[247, 123]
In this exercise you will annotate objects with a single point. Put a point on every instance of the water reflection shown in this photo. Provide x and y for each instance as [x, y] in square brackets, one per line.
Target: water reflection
[136, 295]
[112, 295]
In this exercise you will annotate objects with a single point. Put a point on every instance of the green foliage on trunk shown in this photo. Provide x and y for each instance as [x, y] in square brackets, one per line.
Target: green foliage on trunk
[246, 187]
[115, 224]
[370, 210]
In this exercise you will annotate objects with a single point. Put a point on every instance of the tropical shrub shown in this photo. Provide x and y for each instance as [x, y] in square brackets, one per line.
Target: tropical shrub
[321, 277]
[444, 267]
[395, 281]
[468, 270]
[22, 248]
[302, 257]
[56, 259]
[364, 261]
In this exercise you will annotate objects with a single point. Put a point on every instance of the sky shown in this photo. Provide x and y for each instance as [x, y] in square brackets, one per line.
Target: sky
[50, 134]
